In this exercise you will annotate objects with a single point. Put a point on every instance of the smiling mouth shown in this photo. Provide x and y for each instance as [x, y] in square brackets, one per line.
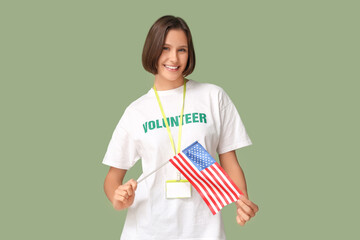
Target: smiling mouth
[172, 68]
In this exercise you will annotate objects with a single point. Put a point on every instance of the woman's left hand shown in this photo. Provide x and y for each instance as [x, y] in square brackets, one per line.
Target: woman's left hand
[245, 209]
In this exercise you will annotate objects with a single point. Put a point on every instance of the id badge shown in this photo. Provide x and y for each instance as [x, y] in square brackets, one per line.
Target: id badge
[177, 189]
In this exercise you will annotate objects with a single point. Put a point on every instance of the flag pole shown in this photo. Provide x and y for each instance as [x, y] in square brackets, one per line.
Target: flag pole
[143, 178]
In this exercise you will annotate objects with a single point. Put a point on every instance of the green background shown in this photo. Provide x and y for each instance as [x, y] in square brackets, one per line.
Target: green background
[69, 68]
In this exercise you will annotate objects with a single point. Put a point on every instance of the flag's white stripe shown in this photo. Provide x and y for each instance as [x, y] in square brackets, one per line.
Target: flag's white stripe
[228, 182]
[222, 187]
[202, 179]
[210, 197]
[199, 178]
[229, 194]
[205, 194]
[213, 183]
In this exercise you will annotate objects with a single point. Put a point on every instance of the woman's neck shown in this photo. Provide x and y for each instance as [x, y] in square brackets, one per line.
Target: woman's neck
[163, 85]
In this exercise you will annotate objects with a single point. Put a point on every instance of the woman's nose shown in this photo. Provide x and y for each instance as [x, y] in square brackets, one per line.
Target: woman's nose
[173, 56]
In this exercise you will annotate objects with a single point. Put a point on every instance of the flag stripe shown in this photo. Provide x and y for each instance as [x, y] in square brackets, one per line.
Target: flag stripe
[220, 178]
[222, 188]
[226, 176]
[208, 183]
[225, 185]
[212, 181]
[200, 177]
[194, 184]
[207, 180]
[198, 185]
[210, 200]
[200, 181]
[230, 188]
[229, 185]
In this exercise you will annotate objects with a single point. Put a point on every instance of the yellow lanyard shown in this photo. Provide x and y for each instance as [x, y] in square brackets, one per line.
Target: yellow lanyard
[166, 122]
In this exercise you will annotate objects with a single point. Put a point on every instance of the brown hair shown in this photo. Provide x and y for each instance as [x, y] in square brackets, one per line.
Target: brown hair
[156, 38]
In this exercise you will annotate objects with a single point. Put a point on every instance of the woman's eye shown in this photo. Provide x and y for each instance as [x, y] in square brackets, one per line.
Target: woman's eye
[165, 48]
[182, 50]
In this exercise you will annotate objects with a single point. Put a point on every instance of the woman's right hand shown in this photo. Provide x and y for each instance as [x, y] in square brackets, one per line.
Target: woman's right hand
[124, 195]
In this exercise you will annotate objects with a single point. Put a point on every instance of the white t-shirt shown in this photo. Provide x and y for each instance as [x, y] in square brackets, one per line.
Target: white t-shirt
[210, 118]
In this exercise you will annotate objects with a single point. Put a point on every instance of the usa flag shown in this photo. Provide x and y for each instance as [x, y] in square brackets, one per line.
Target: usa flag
[206, 176]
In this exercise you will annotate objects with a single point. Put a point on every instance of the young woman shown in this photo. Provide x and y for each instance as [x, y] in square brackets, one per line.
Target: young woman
[208, 116]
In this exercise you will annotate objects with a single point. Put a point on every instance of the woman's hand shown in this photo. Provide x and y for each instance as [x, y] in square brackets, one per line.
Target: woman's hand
[246, 209]
[124, 195]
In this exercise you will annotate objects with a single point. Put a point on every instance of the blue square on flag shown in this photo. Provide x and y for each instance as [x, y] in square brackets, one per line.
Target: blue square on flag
[206, 176]
[199, 156]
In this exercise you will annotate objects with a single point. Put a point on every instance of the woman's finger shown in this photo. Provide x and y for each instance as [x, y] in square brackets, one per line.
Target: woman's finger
[129, 190]
[133, 183]
[130, 187]
[249, 203]
[119, 198]
[240, 221]
[123, 193]
[245, 208]
[246, 217]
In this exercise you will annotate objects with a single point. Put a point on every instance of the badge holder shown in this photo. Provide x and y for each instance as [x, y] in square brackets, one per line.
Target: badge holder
[177, 189]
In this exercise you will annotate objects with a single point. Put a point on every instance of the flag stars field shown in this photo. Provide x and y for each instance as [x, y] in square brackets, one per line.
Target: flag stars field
[200, 157]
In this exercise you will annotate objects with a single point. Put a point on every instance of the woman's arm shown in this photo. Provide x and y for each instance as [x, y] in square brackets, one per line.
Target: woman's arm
[230, 164]
[120, 195]
[245, 208]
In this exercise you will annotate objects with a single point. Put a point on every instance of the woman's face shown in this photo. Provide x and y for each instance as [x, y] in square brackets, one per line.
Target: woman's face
[173, 59]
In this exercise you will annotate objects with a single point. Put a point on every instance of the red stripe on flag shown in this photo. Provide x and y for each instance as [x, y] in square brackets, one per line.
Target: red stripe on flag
[198, 181]
[236, 194]
[226, 186]
[199, 176]
[227, 176]
[194, 184]
[212, 181]
[221, 186]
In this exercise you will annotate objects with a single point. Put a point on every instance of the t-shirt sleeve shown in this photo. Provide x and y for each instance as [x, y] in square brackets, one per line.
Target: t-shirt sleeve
[122, 150]
[233, 134]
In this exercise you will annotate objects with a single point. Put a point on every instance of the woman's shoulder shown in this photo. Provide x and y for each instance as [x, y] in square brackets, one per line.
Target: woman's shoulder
[138, 104]
[216, 92]
[134, 110]
[208, 88]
